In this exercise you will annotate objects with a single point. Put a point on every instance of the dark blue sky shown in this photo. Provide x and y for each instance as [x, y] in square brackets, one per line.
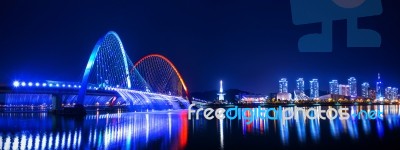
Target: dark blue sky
[248, 44]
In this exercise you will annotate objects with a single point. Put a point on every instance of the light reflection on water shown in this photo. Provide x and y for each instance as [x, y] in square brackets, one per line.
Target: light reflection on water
[173, 130]
[352, 127]
[160, 130]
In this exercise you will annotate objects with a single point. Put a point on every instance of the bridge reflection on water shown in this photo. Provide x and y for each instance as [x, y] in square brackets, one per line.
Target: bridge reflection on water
[101, 131]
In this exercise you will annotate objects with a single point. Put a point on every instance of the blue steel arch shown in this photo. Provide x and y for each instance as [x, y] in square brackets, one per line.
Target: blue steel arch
[92, 59]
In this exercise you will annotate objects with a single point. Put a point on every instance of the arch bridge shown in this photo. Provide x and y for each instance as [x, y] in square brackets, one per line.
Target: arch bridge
[110, 78]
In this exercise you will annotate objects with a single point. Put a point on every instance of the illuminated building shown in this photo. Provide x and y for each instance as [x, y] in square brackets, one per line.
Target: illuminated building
[353, 87]
[394, 93]
[379, 88]
[299, 91]
[391, 93]
[372, 94]
[364, 90]
[314, 88]
[283, 90]
[300, 85]
[344, 90]
[284, 96]
[283, 85]
[253, 98]
[334, 87]
[388, 92]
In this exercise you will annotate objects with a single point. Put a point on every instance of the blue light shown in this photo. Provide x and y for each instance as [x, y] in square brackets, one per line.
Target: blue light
[16, 84]
[75, 86]
[44, 84]
[63, 85]
[50, 85]
[23, 84]
[37, 84]
[57, 85]
[69, 85]
[30, 84]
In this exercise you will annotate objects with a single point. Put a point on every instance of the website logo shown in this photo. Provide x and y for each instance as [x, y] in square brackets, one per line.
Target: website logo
[289, 113]
[327, 11]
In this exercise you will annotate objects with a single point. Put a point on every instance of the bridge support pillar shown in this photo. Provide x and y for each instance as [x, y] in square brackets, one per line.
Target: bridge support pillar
[58, 109]
[57, 101]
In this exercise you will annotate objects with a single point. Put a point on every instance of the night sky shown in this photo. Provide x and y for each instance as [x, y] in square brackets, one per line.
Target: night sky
[248, 44]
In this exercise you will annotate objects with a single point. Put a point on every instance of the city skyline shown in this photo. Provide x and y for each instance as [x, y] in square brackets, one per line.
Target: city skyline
[351, 89]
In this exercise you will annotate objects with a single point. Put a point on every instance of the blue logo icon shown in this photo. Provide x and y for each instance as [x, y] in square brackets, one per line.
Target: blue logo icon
[327, 11]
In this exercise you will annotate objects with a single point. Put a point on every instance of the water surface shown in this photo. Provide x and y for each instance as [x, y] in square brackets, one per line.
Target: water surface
[173, 130]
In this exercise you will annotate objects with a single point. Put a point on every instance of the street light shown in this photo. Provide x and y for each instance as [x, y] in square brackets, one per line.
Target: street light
[16, 83]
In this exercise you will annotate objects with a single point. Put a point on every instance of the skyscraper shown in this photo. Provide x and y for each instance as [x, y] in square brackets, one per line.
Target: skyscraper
[353, 87]
[372, 94]
[283, 85]
[388, 93]
[344, 90]
[394, 93]
[365, 90]
[334, 87]
[314, 88]
[379, 88]
[300, 85]
[391, 93]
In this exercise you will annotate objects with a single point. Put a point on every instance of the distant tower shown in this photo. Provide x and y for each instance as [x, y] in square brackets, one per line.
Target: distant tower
[394, 93]
[314, 88]
[379, 88]
[365, 90]
[353, 87]
[300, 85]
[283, 85]
[221, 93]
[334, 87]
[388, 93]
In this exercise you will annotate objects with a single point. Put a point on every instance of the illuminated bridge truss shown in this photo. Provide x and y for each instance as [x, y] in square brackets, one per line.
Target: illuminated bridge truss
[109, 67]
[161, 75]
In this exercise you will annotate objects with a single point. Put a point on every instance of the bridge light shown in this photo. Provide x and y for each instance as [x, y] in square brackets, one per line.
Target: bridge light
[69, 85]
[30, 84]
[23, 84]
[37, 84]
[63, 85]
[75, 86]
[50, 85]
[57, 85]
[16, 83]
[44, 84]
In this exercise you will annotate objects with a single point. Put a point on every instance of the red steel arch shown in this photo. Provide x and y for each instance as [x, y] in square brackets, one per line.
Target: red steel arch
[170, 63]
